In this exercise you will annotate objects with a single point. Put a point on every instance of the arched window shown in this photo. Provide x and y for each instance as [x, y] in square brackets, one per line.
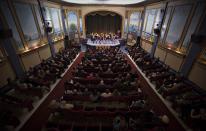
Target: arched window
[10, 21]
[177, 25]
[53, 17]
[72, 21]
[40, 21]
[148, 23]
[48, 16]
[193, 25]
[56, 20]
[152, 20]
[27, 22]
[134, 23]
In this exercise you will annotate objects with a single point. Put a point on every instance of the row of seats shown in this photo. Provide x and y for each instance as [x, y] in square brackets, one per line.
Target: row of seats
[22, 93]
[95, 81]
[186, 98]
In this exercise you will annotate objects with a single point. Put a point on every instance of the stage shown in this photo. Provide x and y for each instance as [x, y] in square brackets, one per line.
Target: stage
[114, 42]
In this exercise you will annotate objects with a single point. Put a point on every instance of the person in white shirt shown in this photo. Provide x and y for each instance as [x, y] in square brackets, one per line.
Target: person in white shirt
[107, 93]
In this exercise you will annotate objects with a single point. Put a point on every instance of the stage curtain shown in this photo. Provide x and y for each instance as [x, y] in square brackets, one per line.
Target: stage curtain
[103, 23]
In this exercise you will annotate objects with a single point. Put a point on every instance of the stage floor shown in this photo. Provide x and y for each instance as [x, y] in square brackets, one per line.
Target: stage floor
[103, 42]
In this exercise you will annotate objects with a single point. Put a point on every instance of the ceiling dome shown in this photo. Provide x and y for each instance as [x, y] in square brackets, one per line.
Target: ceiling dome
[113, 2]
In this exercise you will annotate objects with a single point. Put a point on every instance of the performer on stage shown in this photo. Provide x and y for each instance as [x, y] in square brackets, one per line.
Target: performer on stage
[103, 38]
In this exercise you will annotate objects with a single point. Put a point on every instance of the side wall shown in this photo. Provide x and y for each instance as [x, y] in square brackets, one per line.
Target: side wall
[6, 72]
[198, 74]
[28, 59]
[35, 57]
[170, 58]
[175, 61]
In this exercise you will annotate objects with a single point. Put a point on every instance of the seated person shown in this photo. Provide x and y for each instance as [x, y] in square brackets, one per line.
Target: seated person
[86, 92]
[90, 76]
[138, 104]
[199, 118]
[109, 71]
[119, 123]
[116, 93]
[101, 84]
[11, 83]
[95, 96]
[65, 105]
[176, 89]
[107, 93]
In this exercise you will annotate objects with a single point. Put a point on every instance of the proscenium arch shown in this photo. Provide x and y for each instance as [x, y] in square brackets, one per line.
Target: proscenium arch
[106, 10]
[107, 21]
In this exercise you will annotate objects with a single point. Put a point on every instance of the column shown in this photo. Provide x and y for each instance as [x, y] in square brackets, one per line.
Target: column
[194, 52]
[197, 45]
[156, 38]
[6, 36]
[66, 38]
[142, 25]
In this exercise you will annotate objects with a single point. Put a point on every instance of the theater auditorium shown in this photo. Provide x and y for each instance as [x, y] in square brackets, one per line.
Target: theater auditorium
[102, 65]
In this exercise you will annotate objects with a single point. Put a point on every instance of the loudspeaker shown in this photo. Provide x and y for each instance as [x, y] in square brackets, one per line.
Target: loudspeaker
[157, 31]
[49, 29]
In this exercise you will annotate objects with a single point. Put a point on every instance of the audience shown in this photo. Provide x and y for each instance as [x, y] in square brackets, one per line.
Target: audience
[182, 95]
[105, 76]
[107, 93]
[36, 82]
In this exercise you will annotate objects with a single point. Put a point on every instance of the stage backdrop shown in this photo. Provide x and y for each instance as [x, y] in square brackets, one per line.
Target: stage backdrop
[103, 22]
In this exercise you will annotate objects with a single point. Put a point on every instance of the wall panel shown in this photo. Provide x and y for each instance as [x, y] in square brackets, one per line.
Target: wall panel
[143, 44]
[198, 75]
[58, 45]
[6, 72]
[174, 61]
[31, 59]
[148, 47]
[160, 53]
[45, 53]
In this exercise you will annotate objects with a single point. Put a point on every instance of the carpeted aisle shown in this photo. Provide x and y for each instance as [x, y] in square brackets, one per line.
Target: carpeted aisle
[41, 115]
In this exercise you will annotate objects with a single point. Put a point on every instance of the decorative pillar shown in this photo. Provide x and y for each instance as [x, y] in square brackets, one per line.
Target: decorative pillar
[84, 26]
[63, 21]
[66, 37]
[78, 22]
[127, 26]
[80, 18]
[197, 45]
[195, 50]
[142, 21]
[6, 36]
